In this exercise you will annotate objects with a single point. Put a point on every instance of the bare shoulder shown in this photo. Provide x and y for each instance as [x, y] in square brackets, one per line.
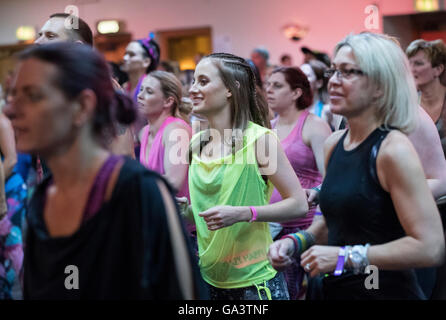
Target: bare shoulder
[333, 139]
[5, 123]
[316, 123]
[397, 162]
[178, 125]
[177, 128]
[426, 131]
[396, 152]
[396, 145]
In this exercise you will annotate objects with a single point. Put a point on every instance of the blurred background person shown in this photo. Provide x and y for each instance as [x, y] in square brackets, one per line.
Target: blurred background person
[302, 136]
[286, 60]
[315, 72]
[54, 30]
[11, 224]
[141, 57]
[428, 62]
[260, 57]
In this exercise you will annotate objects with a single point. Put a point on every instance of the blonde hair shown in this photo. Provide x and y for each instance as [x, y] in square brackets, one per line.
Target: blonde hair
[171, 87]
[381, 58]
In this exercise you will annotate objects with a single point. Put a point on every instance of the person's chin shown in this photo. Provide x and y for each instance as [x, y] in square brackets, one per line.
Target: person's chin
[198, 109]
[336, 108]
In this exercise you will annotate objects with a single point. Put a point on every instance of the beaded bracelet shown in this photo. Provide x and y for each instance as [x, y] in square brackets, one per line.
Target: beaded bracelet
[288, 236]
[302, 241]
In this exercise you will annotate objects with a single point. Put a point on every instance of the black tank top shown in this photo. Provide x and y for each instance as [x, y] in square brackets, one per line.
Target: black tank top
[356, 208]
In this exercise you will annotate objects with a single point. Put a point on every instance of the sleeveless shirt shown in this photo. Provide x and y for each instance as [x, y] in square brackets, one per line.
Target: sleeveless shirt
[304, 164]
[357, 211]
[235, 256]
[155, 160]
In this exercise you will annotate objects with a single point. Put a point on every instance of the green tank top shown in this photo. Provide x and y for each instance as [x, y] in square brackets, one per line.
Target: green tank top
[235, 256]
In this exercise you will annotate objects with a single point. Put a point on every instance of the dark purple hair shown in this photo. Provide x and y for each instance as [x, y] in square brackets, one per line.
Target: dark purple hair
[81, 67]
[297, 79]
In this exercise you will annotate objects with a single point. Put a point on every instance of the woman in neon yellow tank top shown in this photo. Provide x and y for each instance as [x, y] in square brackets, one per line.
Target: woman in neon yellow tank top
[234, 166]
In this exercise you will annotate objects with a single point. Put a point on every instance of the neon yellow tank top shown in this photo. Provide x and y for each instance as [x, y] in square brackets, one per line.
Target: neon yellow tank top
[235, 256]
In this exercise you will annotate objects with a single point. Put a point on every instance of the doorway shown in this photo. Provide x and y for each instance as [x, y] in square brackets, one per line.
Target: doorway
[426, 25]
[185, 46]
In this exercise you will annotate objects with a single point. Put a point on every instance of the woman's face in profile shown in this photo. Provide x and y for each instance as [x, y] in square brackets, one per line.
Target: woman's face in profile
[422, 69]
[134, 59]
[41, 115]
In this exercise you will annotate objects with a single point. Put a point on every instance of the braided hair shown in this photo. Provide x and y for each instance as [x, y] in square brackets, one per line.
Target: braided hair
[239, 78]
[246, 101]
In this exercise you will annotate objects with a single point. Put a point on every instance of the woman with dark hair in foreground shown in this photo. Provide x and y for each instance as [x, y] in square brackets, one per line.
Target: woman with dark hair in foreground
[102, 226]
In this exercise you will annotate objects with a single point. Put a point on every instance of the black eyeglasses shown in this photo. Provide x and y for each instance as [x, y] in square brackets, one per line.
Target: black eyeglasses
[343, 73]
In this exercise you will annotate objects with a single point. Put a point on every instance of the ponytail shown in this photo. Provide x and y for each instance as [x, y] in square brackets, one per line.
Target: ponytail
[183, 110]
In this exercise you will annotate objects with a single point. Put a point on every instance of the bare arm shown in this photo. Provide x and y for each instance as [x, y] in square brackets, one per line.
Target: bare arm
[427, 143]
[3, 207]
[177, 137]
[276, 166]
[281, 251]
[401, 174]
[314, 134]
[7, 145]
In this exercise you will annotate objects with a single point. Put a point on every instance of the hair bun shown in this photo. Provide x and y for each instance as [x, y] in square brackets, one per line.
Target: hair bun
[125, 109]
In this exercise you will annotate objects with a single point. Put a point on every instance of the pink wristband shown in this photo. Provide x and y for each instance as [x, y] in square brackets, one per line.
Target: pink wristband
[254, 214]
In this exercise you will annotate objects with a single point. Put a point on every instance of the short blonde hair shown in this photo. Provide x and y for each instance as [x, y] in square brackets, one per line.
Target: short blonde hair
[381, 58]
[434, 50]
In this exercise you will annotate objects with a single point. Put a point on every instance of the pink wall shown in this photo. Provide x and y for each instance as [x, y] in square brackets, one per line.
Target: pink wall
[237, 25]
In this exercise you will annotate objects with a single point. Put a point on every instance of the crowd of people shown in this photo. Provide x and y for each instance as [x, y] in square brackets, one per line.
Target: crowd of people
[252, 182]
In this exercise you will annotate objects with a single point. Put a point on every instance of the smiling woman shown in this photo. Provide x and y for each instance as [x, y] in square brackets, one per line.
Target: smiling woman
[105, 214]
[235, 164]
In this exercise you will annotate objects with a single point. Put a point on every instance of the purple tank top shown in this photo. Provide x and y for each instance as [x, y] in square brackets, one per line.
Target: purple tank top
[97, 192]
[304, 164]
[155, 160]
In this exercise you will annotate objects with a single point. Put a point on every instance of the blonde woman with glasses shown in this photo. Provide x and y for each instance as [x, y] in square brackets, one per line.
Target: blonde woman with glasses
[376, 204]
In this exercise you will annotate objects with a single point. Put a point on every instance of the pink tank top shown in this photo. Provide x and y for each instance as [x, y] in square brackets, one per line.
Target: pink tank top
[155, 160]
[304, 164]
